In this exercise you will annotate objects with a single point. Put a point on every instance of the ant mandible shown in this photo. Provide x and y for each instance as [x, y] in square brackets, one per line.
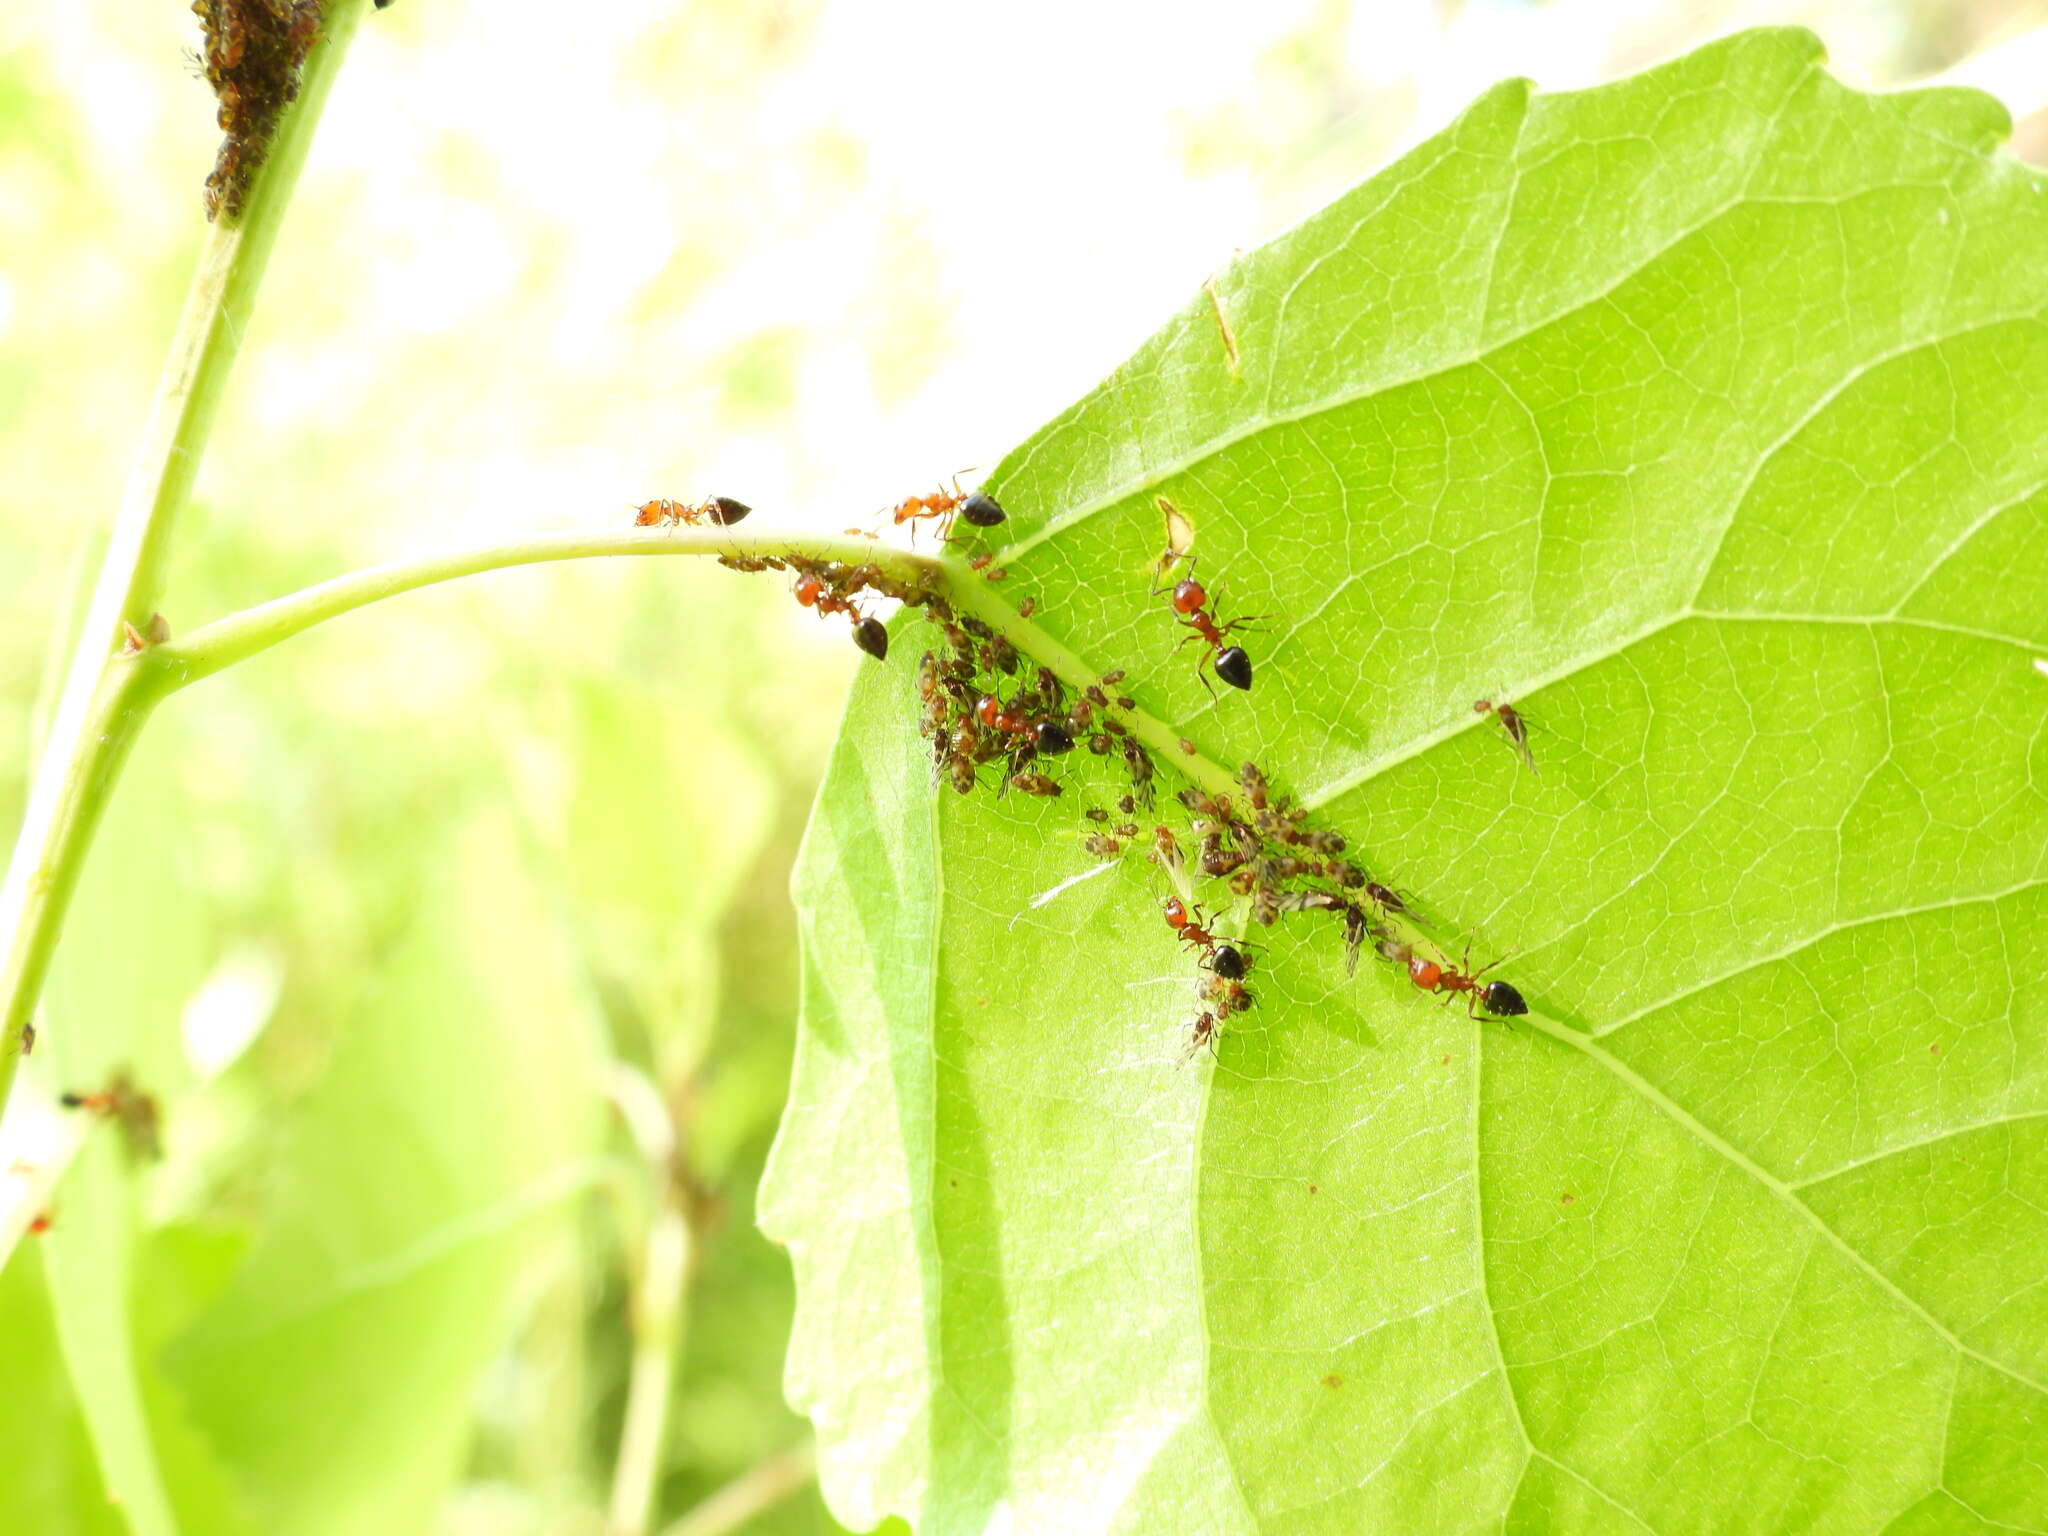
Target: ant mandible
[1190, 600]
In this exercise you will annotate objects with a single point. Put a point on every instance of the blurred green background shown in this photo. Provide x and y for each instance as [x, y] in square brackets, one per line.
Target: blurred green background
[395, 918]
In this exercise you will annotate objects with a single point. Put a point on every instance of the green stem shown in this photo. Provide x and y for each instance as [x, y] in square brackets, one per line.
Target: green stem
[242, 635]
[659, 1305]
[107, 696]
[754, 1492]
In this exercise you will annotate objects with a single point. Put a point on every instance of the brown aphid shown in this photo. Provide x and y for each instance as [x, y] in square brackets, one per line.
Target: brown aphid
[1187, 746]
[1111, 679]
[1101, 846]
[1027, 608]
[1097, 814]
[1034, 784]
[1165, 848]
[1512, 722]
[980, 562]
[1139, 762]
[1254, 784]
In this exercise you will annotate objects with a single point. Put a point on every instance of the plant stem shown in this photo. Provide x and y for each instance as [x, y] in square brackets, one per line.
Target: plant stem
[107, 696]
[758, 1489]
[658, 1308]
[242, 635]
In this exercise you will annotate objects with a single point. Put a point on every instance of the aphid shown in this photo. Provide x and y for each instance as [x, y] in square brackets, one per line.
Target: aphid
[1127, 804]
[1099, 744]
[28, 1038]
[1207, 1028]
[1255, 787]
[1190, 600]
[1097, 814]
[1228, 995]
[871, 637]
[1000, 573]
[1034, 784]
[1139, 763]
[1111, 679]
[980, 562]
[1512, 722]
[1027, 608]
[1165, 849]
[1187, 746]
[1386, 900]
[1218, 860]
[1125, 701]
[1101, 846]
[41, 1223]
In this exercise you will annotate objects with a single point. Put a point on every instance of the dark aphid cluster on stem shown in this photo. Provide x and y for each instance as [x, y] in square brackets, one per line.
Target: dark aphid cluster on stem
[253, 55]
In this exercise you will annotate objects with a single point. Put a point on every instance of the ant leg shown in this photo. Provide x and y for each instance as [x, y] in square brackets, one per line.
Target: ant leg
[1162, 586]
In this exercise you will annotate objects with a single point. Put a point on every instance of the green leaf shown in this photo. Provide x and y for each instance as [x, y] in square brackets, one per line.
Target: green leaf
[1703, 416]
[416, 1191]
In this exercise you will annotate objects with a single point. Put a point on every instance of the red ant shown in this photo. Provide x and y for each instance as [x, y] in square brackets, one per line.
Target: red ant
[1225, 958]
[1498, 998]
[1512, 722]
[1049, 736]
[1188, 924]
[977, 511]
[1190, 601]
[722, 510]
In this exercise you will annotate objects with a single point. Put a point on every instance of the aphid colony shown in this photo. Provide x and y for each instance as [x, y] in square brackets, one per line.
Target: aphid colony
[991, 717]
[981, 708]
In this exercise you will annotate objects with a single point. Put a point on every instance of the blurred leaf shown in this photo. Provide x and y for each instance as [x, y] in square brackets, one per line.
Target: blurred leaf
[135, 942]
[1705, 411]
[57, 1490]
[438, 1157]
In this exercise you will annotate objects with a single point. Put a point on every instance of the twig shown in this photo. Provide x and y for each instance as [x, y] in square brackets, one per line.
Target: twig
[758, 1489]
[107, 696]
[659, 1317]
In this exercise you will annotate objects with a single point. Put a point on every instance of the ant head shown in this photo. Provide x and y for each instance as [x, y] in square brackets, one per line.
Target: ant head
[1189, 595]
